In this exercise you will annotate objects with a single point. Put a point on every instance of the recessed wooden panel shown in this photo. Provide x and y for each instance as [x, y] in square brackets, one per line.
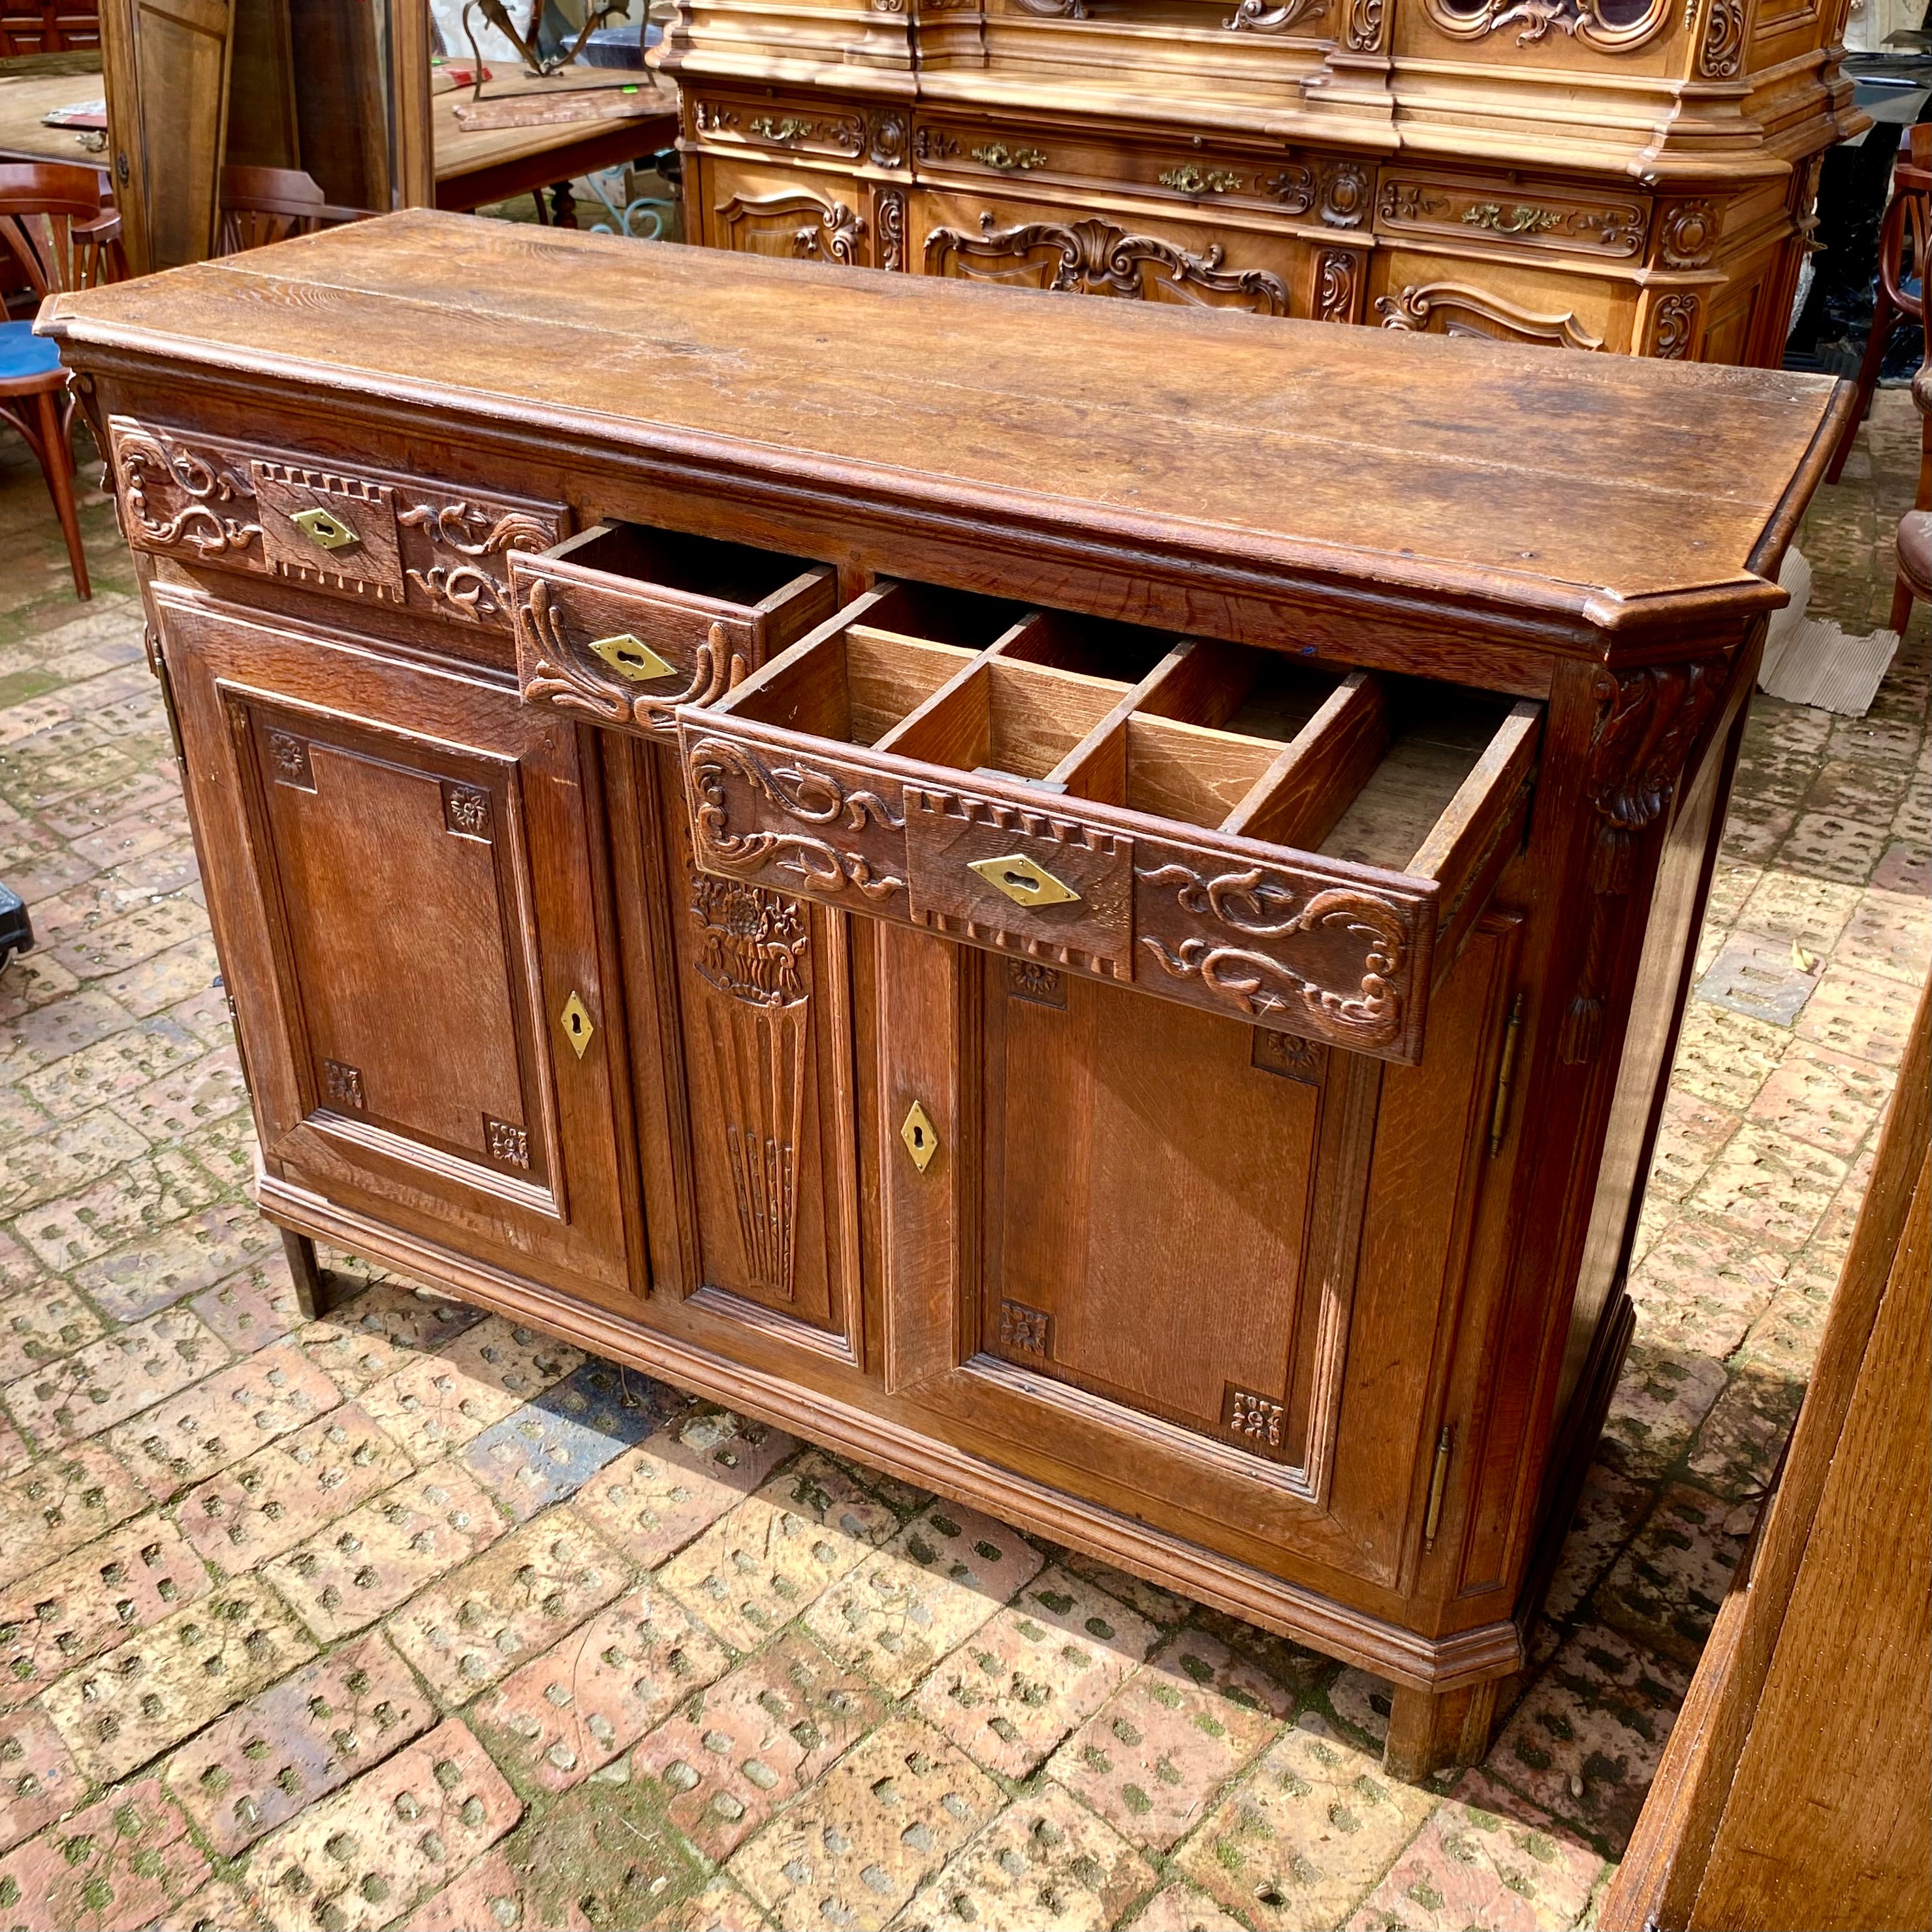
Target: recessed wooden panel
[401, 928]
[1147, 1200]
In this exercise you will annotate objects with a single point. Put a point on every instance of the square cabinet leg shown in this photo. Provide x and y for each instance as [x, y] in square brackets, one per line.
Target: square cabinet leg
[1429, 1733]
[311, 1284]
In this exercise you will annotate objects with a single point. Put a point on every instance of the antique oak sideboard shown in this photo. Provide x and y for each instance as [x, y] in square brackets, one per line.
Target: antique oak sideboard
[1088, 902]
[1635, 176]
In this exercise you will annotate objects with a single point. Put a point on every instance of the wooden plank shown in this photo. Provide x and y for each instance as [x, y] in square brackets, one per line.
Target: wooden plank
[1661, 1880]
[1297, 800]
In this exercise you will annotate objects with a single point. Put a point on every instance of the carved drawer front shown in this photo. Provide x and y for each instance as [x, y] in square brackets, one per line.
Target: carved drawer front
[799, 209]
[1193, 258]
[1436, 294]
[625, 623]
[1213, 824]
[1474, 212]
[400, 541]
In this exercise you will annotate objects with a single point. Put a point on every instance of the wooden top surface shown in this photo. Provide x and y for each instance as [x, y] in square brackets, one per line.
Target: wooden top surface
[463, 151]
[25, 97]
[1603, 487]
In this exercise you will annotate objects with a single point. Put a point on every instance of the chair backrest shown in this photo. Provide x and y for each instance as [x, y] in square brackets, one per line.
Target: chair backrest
[259, 205]
[52, 223]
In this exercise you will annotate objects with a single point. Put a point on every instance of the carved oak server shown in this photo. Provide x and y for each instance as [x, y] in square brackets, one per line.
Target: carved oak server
[1089, 905]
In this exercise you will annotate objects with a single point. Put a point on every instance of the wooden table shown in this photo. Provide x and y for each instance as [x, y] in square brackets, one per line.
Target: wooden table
[476, 169]
[473, 169]
[24, 98]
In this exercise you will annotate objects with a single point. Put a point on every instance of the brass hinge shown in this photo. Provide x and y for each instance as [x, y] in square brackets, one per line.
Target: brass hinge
[150, 643]
[235, 1021]
[1505, 1067]
[1438, 1478]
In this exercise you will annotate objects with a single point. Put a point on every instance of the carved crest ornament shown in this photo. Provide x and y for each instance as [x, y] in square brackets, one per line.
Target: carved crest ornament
[560, 675]
[1610, 26]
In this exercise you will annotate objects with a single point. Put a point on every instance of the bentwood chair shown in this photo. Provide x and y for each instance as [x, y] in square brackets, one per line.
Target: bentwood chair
[52, 224]
[1904, 246]
[259, 205]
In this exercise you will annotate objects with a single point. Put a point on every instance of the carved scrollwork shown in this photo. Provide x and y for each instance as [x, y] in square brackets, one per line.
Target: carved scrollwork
[1674, 327]
[1368, 22]
[825, 231]
[1271, 16]
[1722, 51]
[558, 676]
[807, 797]
[200, 524]
[1337, 282]
[1345, 193]
[1260, 984]
[1648, 722]
[1056, 9]
[1293, 187]
[1608, 26]
[889, 210]
[1409, 201]
[468, 590]
[1094, 257]
[1447, 308]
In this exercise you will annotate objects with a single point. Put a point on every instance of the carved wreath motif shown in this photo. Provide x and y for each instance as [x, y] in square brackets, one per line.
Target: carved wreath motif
[198, 523]
[558, 676]
[1094, 257]
[1584, 20]
[1259, 984]
[809, 797]
[468, 590]
[752, 943]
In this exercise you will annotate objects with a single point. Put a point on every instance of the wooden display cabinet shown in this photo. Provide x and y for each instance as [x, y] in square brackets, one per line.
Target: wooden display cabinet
[1628, 175]
[1089, 904]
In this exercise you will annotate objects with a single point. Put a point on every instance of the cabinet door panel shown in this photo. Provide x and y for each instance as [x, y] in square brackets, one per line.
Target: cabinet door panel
[403, 888]
[1193, 1281]
[1147, 1200]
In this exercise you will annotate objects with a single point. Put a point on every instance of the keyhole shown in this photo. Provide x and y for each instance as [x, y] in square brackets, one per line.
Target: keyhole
[919, 1137]
[1020, 880]
[576, 1025]
[630, 657]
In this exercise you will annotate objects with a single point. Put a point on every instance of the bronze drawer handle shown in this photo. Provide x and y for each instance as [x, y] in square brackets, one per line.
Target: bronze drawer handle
[1009, 161]
[1191, 180]
[1022, 881]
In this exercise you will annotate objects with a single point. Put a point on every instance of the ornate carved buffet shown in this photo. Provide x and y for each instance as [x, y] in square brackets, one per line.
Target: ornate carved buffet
[1089, 903]
[1631, 175]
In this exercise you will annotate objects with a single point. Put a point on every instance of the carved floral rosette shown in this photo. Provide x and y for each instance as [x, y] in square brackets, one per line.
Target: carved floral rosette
[1326, 957]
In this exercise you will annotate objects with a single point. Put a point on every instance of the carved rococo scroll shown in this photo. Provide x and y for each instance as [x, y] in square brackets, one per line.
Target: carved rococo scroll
[1094, 257]
[151, 476]
[1263, 982]
[463, 587]
[557, 674]
[1648, 722]
[1608, 26]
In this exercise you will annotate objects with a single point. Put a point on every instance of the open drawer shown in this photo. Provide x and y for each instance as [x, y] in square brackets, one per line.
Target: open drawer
[625, 623]
[1213, 824]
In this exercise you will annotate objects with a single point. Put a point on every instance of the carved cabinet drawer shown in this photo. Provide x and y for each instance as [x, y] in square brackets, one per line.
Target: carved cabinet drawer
[377, 538]
[1215, 825]
[624, 622]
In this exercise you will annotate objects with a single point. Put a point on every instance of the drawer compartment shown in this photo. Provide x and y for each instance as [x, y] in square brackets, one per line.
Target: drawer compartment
[1215, 825]
[375, 537]
[624, 622]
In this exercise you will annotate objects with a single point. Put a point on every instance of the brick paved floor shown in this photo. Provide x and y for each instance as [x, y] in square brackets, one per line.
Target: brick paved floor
[409, 1617]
